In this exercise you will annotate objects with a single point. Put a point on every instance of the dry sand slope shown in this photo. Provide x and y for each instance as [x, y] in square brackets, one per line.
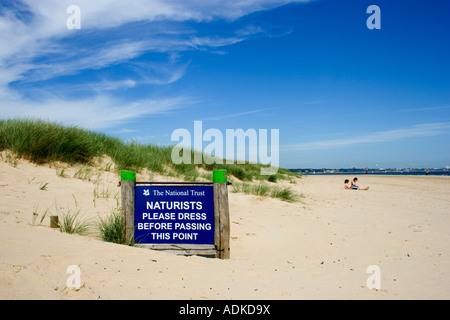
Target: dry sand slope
[319, 248]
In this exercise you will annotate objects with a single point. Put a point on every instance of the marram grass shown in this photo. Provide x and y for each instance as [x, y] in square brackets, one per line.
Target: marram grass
[265, 190]
[111, 228]
[43, 142]
[70, 223]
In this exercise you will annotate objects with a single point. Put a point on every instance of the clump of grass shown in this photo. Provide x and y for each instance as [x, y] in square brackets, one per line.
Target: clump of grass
[9, 158]
[264, 190]
[60, 173]
[111, 228]
[43, 142]
[84, 173]
[70, 223]
[285, 194]
[102, 192]
[43, 186]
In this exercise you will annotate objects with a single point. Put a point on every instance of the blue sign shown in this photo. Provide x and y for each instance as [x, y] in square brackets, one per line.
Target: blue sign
[174, 215]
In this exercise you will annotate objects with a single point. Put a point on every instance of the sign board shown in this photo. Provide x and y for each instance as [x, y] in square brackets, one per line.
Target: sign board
[174, 215]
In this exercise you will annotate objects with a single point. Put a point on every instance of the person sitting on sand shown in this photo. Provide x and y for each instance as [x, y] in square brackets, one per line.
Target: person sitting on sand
[347, 184]
[354, 186]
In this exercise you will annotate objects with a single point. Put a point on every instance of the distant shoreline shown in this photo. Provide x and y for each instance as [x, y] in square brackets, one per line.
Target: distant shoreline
[412, 173]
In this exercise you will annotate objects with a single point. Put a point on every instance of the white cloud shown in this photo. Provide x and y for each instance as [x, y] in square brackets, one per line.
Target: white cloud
[22, 41]
[103, 13]
[425, 109]
[239, 114]
[250, 30]
[101, 112]
[420, 130]
[36, 46]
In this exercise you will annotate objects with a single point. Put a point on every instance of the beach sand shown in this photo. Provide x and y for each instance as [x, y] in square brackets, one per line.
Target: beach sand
[319, 248]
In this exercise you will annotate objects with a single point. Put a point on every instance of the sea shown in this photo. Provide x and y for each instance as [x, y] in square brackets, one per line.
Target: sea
[394, 173]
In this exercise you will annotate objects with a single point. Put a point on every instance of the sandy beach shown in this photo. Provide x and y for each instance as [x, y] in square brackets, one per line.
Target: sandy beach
[319, 248]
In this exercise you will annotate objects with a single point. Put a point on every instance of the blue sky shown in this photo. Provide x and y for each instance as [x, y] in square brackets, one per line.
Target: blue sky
[340, 94]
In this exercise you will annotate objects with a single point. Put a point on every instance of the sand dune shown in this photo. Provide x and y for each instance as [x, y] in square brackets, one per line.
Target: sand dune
[319, 248]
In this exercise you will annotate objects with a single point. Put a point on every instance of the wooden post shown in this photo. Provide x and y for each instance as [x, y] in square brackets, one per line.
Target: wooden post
[221, 214]
[127, 184]
[54, 222]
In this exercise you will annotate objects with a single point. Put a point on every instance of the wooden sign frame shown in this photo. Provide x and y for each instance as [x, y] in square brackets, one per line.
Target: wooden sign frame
[221, 247]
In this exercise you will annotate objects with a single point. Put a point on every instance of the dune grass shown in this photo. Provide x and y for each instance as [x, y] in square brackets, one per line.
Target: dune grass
[111, 228]
[44, 142]
[70, 223]
[265, 190]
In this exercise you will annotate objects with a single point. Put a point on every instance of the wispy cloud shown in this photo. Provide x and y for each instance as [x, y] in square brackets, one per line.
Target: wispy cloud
[250, 30]
[37, 50]
[238, 114]
[100, 112]
[25, 42]
[420, 130]
[425, 109]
